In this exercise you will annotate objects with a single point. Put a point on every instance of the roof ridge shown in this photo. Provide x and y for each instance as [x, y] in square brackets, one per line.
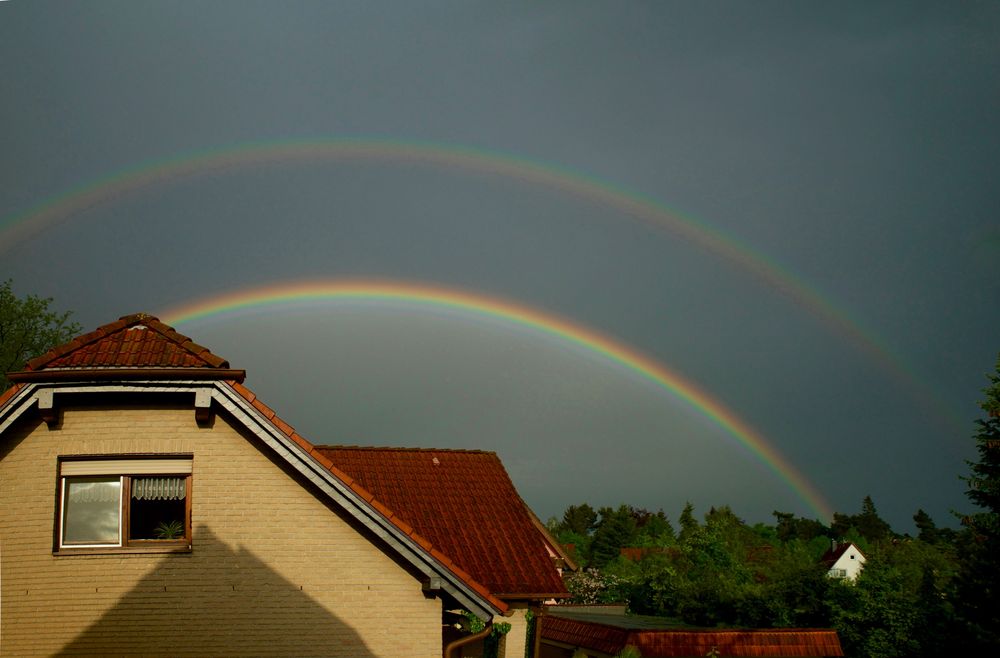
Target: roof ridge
[401, 449]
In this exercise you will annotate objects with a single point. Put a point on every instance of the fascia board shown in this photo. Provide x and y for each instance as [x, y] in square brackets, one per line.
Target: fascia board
[23, 400]
[33, 392]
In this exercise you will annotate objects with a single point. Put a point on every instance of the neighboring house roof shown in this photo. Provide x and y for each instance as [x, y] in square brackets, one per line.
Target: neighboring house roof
[663, 638]
[138, 351]
[464, 502]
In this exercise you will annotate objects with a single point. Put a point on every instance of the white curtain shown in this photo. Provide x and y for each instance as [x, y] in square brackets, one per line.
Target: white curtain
[161, 488]
[93, 491]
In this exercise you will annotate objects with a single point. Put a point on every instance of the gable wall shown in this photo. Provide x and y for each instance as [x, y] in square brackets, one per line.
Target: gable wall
[852, 561]
[273, 571]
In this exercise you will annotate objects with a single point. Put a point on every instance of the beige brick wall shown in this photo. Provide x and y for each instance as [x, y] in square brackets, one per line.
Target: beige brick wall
[273, 570]
[517, 636]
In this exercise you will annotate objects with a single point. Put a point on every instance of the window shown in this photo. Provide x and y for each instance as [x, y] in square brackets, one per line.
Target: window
[125, 503]
[838, 573]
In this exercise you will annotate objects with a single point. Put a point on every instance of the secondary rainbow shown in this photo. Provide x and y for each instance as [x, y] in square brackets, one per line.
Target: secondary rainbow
[21, 226]
[262, 299]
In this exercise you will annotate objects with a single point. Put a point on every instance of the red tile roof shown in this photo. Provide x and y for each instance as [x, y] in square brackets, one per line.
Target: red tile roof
[133, 341]
[8, 394]
[613, 633]
[465, 504]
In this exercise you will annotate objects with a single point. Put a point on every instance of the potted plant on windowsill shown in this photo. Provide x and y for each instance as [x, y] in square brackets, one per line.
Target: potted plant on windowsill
[170, 530]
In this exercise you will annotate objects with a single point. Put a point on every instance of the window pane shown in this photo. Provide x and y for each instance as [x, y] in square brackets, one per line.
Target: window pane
[91, 507]
[157, 508]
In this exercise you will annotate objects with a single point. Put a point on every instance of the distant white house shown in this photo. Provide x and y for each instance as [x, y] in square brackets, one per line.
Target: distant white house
[844, 561]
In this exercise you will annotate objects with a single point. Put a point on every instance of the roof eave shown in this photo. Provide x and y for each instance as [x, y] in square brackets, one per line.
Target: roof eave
[531, 596]
[118, 374]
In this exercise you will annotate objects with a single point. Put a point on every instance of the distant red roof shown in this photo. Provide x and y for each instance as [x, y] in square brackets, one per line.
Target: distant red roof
[464, 503]
[655, 639]
[833, 554]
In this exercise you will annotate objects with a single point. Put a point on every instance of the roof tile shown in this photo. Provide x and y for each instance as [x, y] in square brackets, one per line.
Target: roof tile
[5, 396]
[263, 408]
[615, 632]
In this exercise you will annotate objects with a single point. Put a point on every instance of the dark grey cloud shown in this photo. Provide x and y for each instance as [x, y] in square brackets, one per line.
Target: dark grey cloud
[854, 146]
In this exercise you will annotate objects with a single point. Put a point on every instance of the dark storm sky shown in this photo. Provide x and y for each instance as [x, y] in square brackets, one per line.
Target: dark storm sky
[853, 146]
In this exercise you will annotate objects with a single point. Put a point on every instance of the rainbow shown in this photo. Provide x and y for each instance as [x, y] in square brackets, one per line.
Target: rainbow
[59, 208]
[260, 299]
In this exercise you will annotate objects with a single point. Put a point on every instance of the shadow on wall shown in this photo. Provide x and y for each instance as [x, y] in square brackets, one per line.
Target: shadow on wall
[216, 601]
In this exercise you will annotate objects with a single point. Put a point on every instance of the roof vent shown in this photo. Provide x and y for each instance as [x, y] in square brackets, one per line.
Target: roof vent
[436, 461]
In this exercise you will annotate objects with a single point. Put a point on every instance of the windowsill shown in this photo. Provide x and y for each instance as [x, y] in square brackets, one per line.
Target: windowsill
[122, 550]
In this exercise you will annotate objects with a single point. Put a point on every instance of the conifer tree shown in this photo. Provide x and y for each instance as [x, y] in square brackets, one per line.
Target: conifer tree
[979, 580]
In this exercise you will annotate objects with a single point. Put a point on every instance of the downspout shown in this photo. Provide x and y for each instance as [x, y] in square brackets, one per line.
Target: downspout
[468, 639]
[536, 650]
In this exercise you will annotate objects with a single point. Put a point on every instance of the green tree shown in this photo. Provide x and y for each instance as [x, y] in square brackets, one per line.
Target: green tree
[689, 524]
[878, 616]
[615, 530]
[929, 532]
[28, 328]
[871, 525]
[579, 519]
[979, 579]
[790, 527]
[654, 529]
[868, 524]
[926, 528]
[715, 579]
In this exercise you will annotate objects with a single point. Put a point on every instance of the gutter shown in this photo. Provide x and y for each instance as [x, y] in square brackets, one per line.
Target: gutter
[468, 639]
[117, 374]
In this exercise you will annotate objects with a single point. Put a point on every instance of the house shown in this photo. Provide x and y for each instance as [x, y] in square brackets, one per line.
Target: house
[843, 560]
[603, 631]
[151, 504]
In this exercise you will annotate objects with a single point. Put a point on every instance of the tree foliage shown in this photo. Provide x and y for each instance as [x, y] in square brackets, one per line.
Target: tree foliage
[979, 580]
[926, 596]
[616, 529]
[867, 529]
[28, 328]
[579, 519]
